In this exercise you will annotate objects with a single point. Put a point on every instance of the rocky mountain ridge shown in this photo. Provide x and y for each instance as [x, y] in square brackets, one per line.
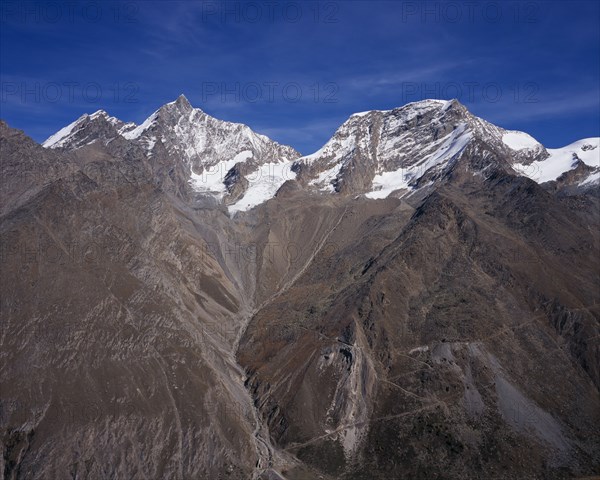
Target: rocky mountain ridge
[422, 310]
[375, 153]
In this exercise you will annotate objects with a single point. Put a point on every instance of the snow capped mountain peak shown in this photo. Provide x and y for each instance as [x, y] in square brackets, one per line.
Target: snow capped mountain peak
[181, 102]
[217, 155]
[59, 138]
[104, 115]
[376, 153]
[86, 129]
[388, 148]
[421, 105]
[199, 139]
[181, 105]
[380, 152]
[519, 141]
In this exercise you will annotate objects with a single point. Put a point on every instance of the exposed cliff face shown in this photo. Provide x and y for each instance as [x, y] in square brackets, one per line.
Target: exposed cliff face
[110, 313]
[447, 303]
[403, 303]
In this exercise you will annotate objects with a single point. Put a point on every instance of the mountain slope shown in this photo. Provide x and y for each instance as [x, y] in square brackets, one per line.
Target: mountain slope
[403, 303]
[116, 345]
[431, 351]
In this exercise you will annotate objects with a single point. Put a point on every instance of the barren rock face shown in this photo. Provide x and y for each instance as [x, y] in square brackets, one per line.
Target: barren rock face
[438, 342]
[103, 333]
[404, 303]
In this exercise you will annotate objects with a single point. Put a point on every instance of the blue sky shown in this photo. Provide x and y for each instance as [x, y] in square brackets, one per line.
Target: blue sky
[295, 70]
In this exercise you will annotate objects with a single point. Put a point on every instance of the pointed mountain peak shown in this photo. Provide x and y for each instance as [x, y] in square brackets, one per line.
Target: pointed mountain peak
[59, 138]
[178, 112]
[181, 104]
[433, 104]
[182, 101]
[87, 127]
[102, 114]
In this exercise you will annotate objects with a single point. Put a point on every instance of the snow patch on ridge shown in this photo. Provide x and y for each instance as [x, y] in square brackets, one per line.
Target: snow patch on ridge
[62, 138]
[422, 104]
[211, 179]
[593, 178]
[264, 183]
[451, 145]
[519, 140]
[56, 140]
[562, 160]
[137, 131]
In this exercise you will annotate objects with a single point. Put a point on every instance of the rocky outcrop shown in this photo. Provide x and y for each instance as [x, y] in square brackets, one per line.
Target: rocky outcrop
[406, 303]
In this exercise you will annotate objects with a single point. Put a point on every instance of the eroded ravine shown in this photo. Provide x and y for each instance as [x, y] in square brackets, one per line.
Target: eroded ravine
[270, 458]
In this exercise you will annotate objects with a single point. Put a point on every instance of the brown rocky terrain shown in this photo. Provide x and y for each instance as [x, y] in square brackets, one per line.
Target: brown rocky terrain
[148, 332]
[426, 350]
